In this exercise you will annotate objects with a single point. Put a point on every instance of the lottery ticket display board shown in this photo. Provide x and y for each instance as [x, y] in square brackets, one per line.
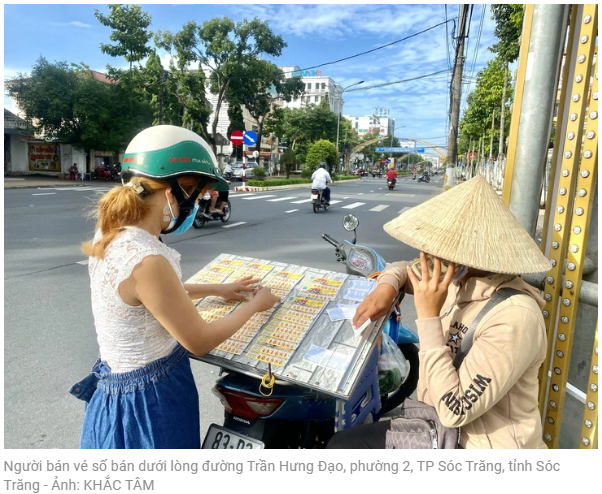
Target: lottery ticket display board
[297, 337]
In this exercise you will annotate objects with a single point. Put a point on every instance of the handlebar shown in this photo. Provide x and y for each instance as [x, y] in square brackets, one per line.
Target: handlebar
[330, 240]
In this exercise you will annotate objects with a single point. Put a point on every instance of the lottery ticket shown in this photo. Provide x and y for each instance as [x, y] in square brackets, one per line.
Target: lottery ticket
[269, 350]
[230, 346]
[275, 342]
[318, 292]
[269, 359]
[326, 282]
[244, 335]
[305, 305]
[283, 280]
[294, 317]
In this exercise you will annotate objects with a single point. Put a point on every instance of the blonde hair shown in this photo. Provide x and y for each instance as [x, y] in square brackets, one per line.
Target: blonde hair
[123, 206]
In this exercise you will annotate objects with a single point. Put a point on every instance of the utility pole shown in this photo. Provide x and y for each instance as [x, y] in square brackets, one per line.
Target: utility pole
[500, 153]
[452, 143]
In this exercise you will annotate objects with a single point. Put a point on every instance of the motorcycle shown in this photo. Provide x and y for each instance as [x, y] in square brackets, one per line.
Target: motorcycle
[294, 416]
[424, 178]
[203, 215]
[317, 200]
[391, 183]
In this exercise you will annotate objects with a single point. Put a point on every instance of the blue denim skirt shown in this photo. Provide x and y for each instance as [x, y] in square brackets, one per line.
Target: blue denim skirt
[154, 407]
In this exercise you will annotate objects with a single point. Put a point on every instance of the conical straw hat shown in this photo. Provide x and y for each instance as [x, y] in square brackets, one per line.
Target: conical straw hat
[470, 225]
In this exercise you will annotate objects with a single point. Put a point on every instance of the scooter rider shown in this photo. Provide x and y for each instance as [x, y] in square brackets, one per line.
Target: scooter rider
[228, 171]
[392, 175]
[321, 178]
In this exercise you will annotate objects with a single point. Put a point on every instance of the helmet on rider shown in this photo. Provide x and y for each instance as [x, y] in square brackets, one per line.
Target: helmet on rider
[167, 152]
[323, 165]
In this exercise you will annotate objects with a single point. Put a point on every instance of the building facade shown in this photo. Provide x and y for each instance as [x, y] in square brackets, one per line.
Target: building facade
[368, 123]
[317, 87]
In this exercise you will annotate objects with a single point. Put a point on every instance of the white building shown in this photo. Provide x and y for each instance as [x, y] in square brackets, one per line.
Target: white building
[365, 125]
[317, 87]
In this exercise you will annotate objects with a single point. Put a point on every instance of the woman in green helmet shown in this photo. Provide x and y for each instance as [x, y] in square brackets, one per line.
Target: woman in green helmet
[141, 393]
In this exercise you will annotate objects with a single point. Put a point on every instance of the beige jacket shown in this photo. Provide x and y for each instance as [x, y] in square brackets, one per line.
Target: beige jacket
[492, 397]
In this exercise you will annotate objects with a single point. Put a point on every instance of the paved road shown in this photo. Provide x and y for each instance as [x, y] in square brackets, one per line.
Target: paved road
[49, 333]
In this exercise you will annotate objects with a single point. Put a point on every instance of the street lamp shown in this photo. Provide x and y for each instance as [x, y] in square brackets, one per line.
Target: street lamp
[339, 112]
[393, 134]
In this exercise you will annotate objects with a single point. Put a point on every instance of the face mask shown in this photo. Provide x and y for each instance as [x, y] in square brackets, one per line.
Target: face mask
[187, 222]
[460, 272]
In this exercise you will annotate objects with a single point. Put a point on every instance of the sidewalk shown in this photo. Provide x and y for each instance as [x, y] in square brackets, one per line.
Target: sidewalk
[35, 181]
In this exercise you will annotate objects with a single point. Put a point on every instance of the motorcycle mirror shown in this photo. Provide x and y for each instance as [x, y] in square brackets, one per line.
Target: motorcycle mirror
[350, 222]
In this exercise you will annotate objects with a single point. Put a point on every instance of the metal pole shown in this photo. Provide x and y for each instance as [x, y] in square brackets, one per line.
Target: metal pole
[339, 112]
[539, 96]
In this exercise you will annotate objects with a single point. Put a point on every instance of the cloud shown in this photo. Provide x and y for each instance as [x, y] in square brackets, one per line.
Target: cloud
[79, 24]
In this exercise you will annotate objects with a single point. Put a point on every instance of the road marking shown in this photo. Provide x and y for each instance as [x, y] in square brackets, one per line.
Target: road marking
[282, 199]
[334, 202]
[380, 208]
[301, 202]
[83, 263]
[291, 211]
[354, 205]
[345, 197]
[243, 196]
[405, 209]
[45, 194]
[234, 224]
[371, 191]
[361, 194]
[257, 197]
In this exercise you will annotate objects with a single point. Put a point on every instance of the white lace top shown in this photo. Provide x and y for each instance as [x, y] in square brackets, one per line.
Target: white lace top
[129, 337]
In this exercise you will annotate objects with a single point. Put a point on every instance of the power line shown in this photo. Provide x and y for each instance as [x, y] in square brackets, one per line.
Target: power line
[398, 82]
[381, 47]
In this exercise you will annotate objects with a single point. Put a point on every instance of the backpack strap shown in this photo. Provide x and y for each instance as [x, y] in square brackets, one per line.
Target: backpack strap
[466, 343]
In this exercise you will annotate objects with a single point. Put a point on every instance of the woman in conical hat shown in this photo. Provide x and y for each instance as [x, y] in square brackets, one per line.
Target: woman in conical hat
[472, 247]
[142, 393]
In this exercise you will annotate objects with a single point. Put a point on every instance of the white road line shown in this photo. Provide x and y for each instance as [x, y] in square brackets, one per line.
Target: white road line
[291, 211]
[83, 263]
[242, 195]
[346, 197]
[234, 224]
[371, 191]
[361, 194]
[301, 202]
[257, 197]
[380, 208]
[282, 199]
[404, 209]
[334, 202]
[45, 194]
[354, 205]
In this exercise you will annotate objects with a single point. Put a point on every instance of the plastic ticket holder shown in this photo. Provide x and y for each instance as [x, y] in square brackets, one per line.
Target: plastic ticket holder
[365, 399]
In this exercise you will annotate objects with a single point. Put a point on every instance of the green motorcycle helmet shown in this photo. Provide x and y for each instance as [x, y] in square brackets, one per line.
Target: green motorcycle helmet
[166, 152]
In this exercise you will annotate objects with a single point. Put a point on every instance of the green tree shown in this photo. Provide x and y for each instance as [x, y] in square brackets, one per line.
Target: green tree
[508, 25]
[258, 87]
[65, 103]
[129, 24]
[322, 150]
[288, 161]
[224, 47]
[482, 102]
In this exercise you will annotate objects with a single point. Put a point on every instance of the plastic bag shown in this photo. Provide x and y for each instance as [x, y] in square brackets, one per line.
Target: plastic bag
[393, 368]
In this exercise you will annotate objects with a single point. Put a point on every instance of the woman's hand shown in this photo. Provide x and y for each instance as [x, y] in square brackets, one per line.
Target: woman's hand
[375, 305]
[430, 293]
[236, 290]
[263, 299]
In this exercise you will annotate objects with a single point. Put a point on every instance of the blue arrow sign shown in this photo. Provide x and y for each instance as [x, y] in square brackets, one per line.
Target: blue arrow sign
[249, 138]
[388, 161]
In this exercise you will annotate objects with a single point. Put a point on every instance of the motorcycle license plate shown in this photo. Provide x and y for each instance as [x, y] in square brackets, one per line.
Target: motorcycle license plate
[314, 196]
[219, 437]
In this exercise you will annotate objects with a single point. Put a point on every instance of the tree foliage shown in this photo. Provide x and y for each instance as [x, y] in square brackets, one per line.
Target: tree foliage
[508, 26]
[129, 24]
[486, 98]
[319, 151]
[288, 161]
[65, 103]
[223, 47]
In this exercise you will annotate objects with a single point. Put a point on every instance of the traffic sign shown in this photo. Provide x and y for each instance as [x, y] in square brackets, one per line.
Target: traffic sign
[250, 138]
[388, 161]
[255, 154]
[236, 138]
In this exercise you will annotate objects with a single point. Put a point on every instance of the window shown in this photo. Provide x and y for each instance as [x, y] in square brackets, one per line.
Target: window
[309, 85]
[316, 99]
[323, 86]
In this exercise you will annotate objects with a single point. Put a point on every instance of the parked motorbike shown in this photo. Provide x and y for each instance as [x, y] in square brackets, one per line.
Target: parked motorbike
[203, 215]
[294, 416]
[424, 178]
[317, 200]
[391, 183]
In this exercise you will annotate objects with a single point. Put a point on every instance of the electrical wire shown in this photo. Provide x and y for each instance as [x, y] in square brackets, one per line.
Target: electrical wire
[398, 82]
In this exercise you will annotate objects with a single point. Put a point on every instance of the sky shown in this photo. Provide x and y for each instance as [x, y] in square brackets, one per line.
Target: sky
[315, 34]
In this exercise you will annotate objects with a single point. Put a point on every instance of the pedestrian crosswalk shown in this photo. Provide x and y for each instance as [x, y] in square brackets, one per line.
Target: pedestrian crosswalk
[297, 200]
